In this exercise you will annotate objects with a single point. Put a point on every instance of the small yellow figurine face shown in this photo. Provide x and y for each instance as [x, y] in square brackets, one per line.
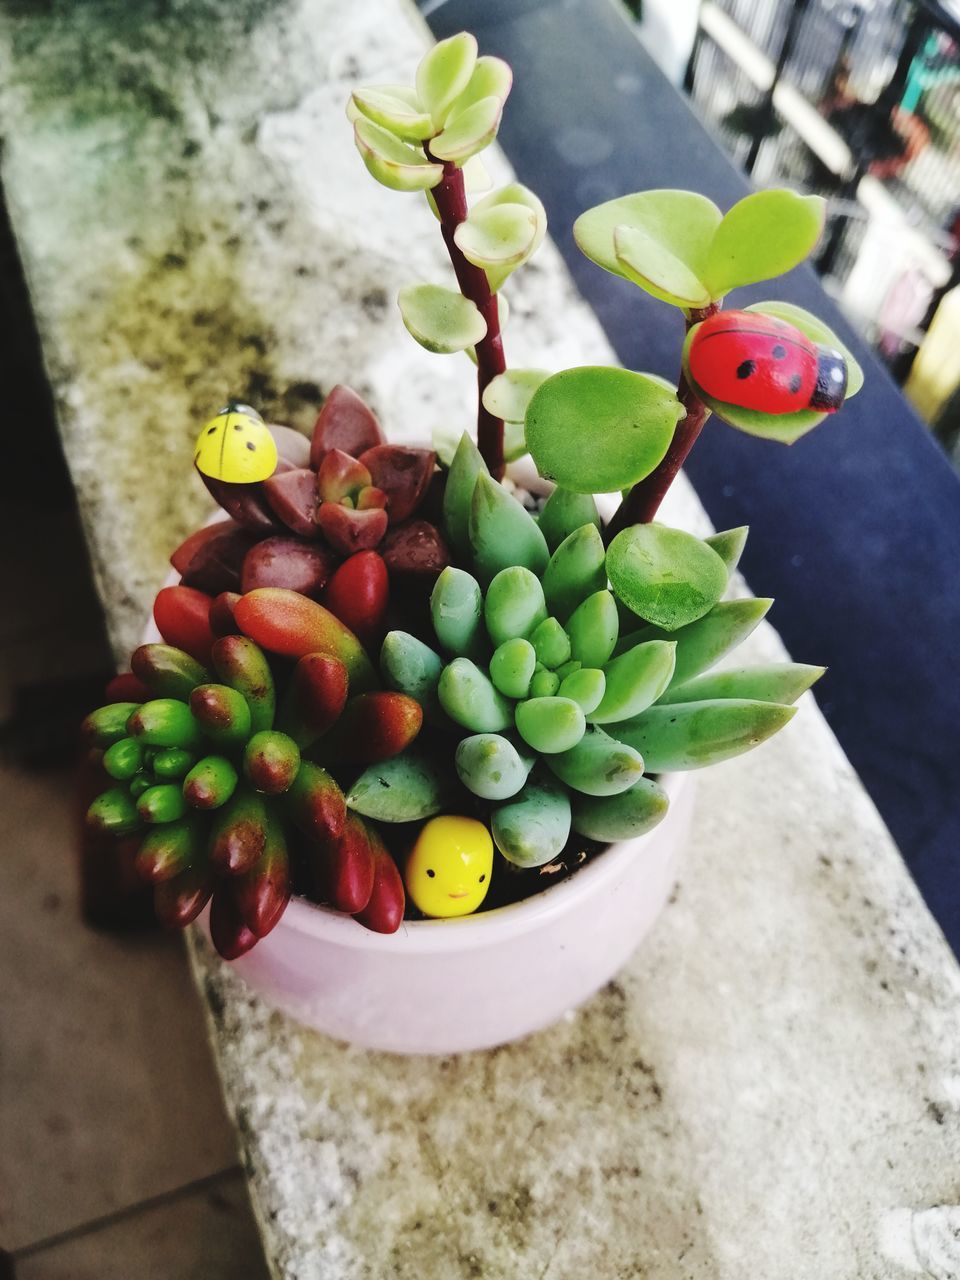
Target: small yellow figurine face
[236, 446]
[449, 868]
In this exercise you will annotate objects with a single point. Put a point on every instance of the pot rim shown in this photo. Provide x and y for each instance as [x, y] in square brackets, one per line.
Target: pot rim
[485, 928]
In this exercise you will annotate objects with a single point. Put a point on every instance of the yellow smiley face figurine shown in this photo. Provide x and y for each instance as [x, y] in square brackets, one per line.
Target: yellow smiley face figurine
[236, 446]
[449, 868]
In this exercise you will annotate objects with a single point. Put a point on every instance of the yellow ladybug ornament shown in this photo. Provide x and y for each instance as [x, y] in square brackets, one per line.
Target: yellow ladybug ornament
[449, 868]
[236, 446]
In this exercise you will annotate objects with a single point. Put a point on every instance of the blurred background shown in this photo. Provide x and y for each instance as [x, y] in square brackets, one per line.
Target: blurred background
[117, 1159]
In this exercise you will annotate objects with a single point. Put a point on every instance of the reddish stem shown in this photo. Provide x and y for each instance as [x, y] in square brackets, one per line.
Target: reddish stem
[643, 501]
[451, 201]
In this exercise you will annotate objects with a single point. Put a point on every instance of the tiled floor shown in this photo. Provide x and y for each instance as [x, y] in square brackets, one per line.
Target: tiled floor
[117, 1159]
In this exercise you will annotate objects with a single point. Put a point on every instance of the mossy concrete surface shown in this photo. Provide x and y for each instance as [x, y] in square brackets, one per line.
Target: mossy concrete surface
[772, 1086]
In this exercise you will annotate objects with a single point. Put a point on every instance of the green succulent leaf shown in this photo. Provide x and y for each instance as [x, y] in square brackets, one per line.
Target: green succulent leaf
[512, 667]
[491, 766]
[394, 107]
[514, 605]
[550, 724]
[593, 628]
[690, 735]
[466, 468]
[468, 696]
[468, 132]
[729, 545]
[706, 641]
[532, 829]
[393, 163]
[665, 576]
[585, 686]
[598, 765]
[502, 532]
[762, 236]
[456, 609]
[635, 680]
[621, 817]
[513, 194]
[551, 644]
[783, 427]
[781, 682]
[411, 667]
[664, 242]
[514, 441]
[444, 73]
[501, 236]
[576, 570]
[563, 512]
[491, 78]
[440, 319]
[508, 394]
[412, 786]
[596, 429]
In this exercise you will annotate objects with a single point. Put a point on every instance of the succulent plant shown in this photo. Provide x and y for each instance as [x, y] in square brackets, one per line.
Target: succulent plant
[228, 782]
[345, 491]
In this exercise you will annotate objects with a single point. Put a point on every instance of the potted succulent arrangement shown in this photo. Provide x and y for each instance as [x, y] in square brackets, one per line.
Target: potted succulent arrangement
[416, 722]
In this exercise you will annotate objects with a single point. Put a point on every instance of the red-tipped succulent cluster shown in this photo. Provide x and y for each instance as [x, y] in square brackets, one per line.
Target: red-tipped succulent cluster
[346, 491]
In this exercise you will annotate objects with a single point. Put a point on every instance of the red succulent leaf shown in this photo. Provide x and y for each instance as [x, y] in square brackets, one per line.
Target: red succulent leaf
[228, 931]
[348, 531]
[262, 893]
[126, 687]
[182, 615]
[222, 621]
[293, 497]
[244, 502]
[370, 497]
[384, 911]
[292, 446]
[316, 806]
[373, 727]
[349, 872]
[211, 558]
[403, 473]
[178, 901]
[416, 547]
[358, 593]
[340, 476]
[316, 695]
[288, 562]
[346, 423]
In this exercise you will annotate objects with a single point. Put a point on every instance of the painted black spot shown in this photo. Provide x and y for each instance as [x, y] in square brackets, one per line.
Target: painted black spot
[482, 878]
[237, 426]
[431, 874]
[779, 352]
[251, 446]
[745, 369]
[211, 430]
[795, 383]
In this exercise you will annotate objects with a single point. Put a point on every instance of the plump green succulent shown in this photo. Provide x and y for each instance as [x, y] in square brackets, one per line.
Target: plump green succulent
[569, 672]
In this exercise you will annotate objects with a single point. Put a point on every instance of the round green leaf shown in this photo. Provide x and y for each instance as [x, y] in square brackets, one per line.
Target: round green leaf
[491, 78]
[468, 132]
[666, 576]
[762, 236]
[508, 394]
[783, 427]
[496, 237]
[441, 320]
[514, 193]
[679, 226]
[392, 162]
[444, 73]
[651, 265]
[395, 107]
[594, 429]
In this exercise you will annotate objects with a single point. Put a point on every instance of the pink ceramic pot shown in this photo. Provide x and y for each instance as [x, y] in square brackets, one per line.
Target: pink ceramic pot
[446, 986]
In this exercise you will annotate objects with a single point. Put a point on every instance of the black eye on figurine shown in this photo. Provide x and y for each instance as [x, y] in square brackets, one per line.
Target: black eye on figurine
[758, 362]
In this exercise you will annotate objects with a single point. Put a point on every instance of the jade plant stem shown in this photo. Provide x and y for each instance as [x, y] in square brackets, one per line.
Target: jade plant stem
[643, 501]
[451, 201]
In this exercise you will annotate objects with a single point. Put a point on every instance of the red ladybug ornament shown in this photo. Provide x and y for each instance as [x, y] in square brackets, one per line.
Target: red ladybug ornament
[759, 362]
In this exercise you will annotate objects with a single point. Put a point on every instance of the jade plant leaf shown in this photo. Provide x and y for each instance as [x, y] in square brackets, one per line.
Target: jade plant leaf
[784, 427]
[468, 132]
[393, 163]
[444, 74]
[533, 829]
[440, 319]
[508, 394]
[763, 235]
[394, 107]
[565, 511]
[576, 570]
[664, 242]
[690, 735]
[782, 682]
[635, 680]
[491, 78]
[407, 788]
[620, 817]
[500, 236]
[514, 193]
[593, 628]
[594, 429]
[665, 576]
[502, 532]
